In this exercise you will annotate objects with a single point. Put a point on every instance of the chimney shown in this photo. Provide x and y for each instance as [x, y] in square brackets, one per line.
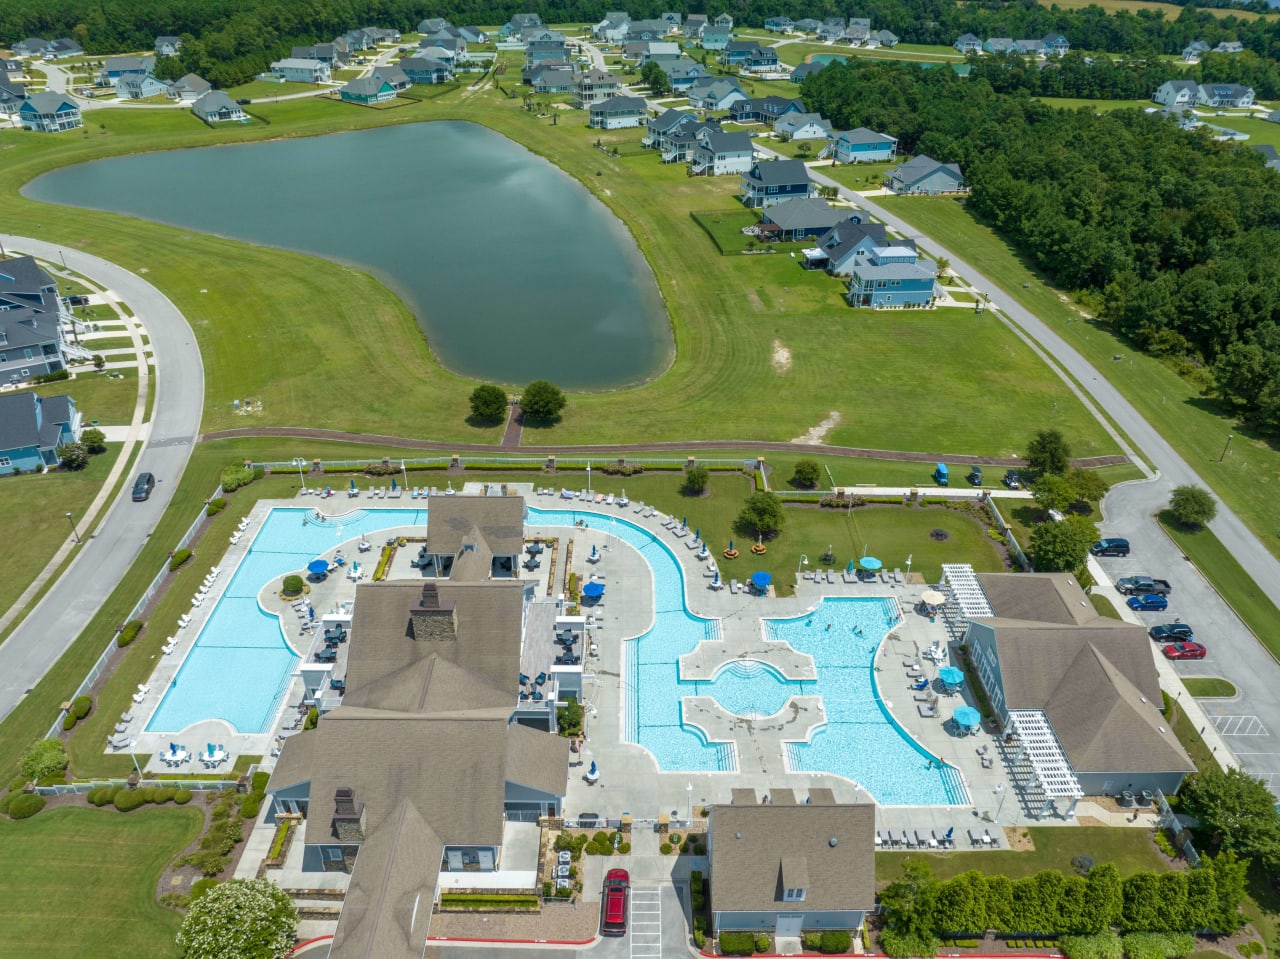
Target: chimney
[348, 815]
[432, 618]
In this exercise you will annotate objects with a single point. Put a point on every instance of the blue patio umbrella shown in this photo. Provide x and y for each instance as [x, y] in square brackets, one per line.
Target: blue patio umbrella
[761, 581]
[353, 484]
[684, 521]
[311, 612]
[730, 545]
[697, 533]
[951, 675]
[870, 563]
[318, 566]
[967, 716]
[593, 589]
[849, 568]
[593, 770]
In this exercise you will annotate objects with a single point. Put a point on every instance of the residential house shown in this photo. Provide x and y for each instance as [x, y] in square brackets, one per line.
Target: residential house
[617, 113]
[436, 51]
[999, 45]
[613, 28]
[473, 34]
[216, 107]
[1270, 156]
[11, 97]
[32, 428]
[426, 71]
[366, 90]
[595, 86]
[856, 33]
[673, 21]
[518, 23]
[31, 314]
[1075, 691]
[779, 24]
[761, 60]
[49, 113]
[63, 47]
[10, 68]
[654, 49]
[801, 218]
[1224, 95]
[456, 45]
[433, 25]
[694, 24]
[188, 89]
[1175, 93]
[926, 175]
[1029, 48]
[682, 72]
[116, 68]
[807, 25]
[168, 46]
[1055, 45]
[31, 47]
[542, 45]
[142, 87]
[425, 778]
[1194, 50]
[882, 38]
[968, 43]
[862, 146]
[736, 51]
[806, 70]
[846, 244]
[832, 29]
[714, 93]
[553, 78]
[1229, 46]
[675, 133]
[724, 21]
[718, 153]
[768, 110]
[393, 74]
[786, 867]
[301, 70]
[642, 30]
[324, 52]
[715, 38]
[892, 275]
[772, 181]
[803, 126]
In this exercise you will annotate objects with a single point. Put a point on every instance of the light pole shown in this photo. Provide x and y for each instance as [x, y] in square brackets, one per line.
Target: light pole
[299, 462]
[74, 531]
[404, 471]
[688, 788]
[588, 477]
[999, 805]
[1230, 437]
[804, 561]
[909, 555]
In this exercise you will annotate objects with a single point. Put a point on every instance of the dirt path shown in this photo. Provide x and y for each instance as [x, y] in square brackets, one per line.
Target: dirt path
[515, 428]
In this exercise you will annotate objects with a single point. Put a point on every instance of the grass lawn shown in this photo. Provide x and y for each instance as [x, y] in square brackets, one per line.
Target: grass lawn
[1131, 850]
[31, 515]
[1170, 10]
[1104, 606]
[1209, 687]
[98, 344]
[859, 176]
[99, 396]
[263, 89]
[1187, 734]
[1224, 573]
[79, 882]
[1098, 106]
[1194, 425]
[1260, 132]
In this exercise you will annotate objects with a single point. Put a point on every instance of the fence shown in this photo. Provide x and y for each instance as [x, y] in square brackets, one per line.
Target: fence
[100, 666]
[195, 785]
[1009, 538]
[577, 461]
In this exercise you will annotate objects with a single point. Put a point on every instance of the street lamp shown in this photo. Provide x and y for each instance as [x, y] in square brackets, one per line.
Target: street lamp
[299, 462]
[588, 477]
[74, 531]
[909, 555]
[999, 805]
[688, 788]
[1230, 437]
[804, 561]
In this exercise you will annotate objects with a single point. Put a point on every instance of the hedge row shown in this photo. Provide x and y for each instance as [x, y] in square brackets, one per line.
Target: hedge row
[178, 558]
[80, 708]
[127, 800]
[129, 632]
[215, 506]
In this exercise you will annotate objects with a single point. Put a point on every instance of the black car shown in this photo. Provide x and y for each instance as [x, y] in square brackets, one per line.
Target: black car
[1172, 633]
[243, 102]
[1110, 547]
[143, 486]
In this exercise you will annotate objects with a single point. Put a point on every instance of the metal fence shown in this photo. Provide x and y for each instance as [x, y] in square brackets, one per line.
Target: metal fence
[195, 785]
[100, 666]
[1010, 540]
[576, 461]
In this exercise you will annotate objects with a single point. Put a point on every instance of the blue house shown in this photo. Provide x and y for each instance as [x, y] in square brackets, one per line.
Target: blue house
[32, 428]
[116, 68]
[736, 51]
[892, 276]
[924, 175]
[797, 219]
[49, 113]
[367, 90]
[845, 244]
[714, 93]
[1055, 45]
[768, 109]
[773, 181]
[778, 24]
[862, 146]
[682, 72]
[716, 38]
[426, 71]
[967, 43]
[518, 23]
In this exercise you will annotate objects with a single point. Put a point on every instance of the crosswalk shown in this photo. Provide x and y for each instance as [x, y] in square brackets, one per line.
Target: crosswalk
[646, 922]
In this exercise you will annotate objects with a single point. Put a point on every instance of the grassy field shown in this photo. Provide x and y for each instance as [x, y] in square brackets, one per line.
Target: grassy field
[1185, 730]
[727, 313]
[1170, 10]
[98, 396]
[794, 54]
[1193, 424]
[79, 882]
[262, 89]
[1261, 132]
[1131, 850]
[1098, 106]
[1209, 687]
[859, 176]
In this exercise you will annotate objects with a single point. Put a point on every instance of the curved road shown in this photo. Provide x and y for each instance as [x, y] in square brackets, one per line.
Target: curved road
[41, 639]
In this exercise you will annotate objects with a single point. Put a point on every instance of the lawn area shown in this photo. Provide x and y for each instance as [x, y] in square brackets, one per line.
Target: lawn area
[1209, 687]
[859, 176]
[1171, 11]
[1131, 850]
[1098, 106]
[263, 89]
[1261, 132]
[1193, 425]
[1186, 732]
[793, 54]
[78, 882]
[1225, 574]
[99, 396]
[31, 515]
[1104, 606]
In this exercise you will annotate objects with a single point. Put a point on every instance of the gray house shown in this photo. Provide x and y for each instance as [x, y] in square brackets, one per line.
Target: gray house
[168, 46]
[1176, 93]
[189, 88]
[11, 96]
[141, 87]
[1078, 690]
[32, 427]
[801, 218]
[216, 107]
[616, 113]
[774, 181]
[925, 175]
[301, 70]
[789, 867]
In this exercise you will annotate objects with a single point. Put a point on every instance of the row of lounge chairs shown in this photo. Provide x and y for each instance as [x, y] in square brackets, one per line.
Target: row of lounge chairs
[587, 496]
[912, 839]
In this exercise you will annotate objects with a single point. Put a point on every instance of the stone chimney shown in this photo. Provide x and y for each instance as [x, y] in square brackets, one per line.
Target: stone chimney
[433, 619]
[348, 815]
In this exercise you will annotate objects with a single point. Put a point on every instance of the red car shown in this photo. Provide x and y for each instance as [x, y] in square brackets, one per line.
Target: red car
[617, 891]
[1185, 651]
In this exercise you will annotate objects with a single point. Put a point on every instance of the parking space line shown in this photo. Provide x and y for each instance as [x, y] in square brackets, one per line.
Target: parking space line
[1240, 726]
[646, 923]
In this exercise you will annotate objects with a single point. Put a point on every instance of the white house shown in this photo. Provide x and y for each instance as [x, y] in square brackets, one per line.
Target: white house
[1176, 93]
[299, 70]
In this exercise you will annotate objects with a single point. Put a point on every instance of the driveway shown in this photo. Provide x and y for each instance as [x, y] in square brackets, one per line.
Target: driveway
[41, 639]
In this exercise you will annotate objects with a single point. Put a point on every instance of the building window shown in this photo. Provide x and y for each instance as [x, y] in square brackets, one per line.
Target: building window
[28, 355]
[331, 853]
[793, 895]
[25, 372]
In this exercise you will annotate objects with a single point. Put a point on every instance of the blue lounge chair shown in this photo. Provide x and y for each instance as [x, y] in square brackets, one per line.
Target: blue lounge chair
[542, 678]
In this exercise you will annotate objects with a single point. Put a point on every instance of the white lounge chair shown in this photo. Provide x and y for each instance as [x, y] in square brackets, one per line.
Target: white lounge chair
[139, 696]
[608, 500]
[734, 586]
[183, 621]
[640, 508]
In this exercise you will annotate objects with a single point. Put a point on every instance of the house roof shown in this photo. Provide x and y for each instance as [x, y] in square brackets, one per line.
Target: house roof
[297, 63]
[713, 88]
[620, 105]
[669, 119]
[863, 135]
[368, 86]
[47, 102]
[847, 234]
[717, 141]
[808, 69]
[168, 40]
[886, 36]
[918, 168]
[422, 65]
[758, 851]
[214, 102]
[455, 520]
[598, 76]
[129, 64]
[1270, 155]
[22, 274]
[1178, 86]
[778, 173]
[193, 83]
[795, 121]
[804, 212]
[18, 415]
[390, 72]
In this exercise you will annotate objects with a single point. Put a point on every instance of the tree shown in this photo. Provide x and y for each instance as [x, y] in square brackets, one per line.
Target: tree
[542, 400]
[761, 515]
[168, 68]
[1237, 812]
[93, 440]
[655, 78]
[73, 456]
[489, 403]
[1061, 547]
[1054, 492]
[239, 919]
[910, 908]
[1192, 505]
[1089, 485]
[696, 479]
[48, 757]
[807, 473]
[1048, 452]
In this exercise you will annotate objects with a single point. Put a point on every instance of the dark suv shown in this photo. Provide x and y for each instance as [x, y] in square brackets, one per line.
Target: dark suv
[143, 486]
[1110, 547]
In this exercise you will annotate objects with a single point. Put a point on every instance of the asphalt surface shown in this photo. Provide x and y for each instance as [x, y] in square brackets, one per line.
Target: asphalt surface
[41, 639]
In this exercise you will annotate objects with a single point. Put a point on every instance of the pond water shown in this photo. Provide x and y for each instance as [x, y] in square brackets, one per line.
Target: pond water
[512, 268]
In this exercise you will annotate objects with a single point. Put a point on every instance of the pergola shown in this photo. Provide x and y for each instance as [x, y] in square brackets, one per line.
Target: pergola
[1038, 743]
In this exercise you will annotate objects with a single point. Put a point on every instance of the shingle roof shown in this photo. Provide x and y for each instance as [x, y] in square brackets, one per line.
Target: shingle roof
[863, 135]
[717, 141]
[46, 102]
[620, 105]
[804, 212]
[18, 420]
[22, 274]
[778, 173]
[919, 167]
[366, 86]
[213, 102]
[499, 519]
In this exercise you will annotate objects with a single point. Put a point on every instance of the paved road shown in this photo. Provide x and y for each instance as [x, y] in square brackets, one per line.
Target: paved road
[66, 609]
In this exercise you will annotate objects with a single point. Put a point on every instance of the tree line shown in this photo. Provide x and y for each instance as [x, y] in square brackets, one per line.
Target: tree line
[1170, 236]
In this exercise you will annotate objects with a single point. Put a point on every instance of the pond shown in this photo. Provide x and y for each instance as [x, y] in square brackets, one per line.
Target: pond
[512, 268]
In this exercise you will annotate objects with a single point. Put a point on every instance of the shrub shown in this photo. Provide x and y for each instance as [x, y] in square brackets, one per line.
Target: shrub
[182, 796]
[236, 476]
[129, 632]
[547, 889]
[312, 720]
[737, 943]
[762, 942]
[17, 783]
[249, 808]
[293, 585]
[25, 805]
[81, 706]
[700, 849]
[100, 796]
[48, 757]
[164, 795]
[175, 900]
[811, 940]
[666, 848]
[94, 440]
[209, 862]
[259, 783]
[699, 938]
[215, 506]
[127, 800]
[72, 456]
[179, 557]
[1165, 844]
[835, 940]
[55, 377]
[68, 721]
[624, 848]
[675, 839]
[5, 800]
[1158, 945]
[1103, 945]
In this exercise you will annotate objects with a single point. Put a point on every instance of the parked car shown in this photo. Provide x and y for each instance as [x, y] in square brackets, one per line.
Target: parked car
[143, 486]
[1170, 632]
[1012, 479]
[77, 301]
[617, 892]
[1110, 547]
[1143, 586]
[975, 476]
[1148, 604]
[1185, 651]
[243, 102]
